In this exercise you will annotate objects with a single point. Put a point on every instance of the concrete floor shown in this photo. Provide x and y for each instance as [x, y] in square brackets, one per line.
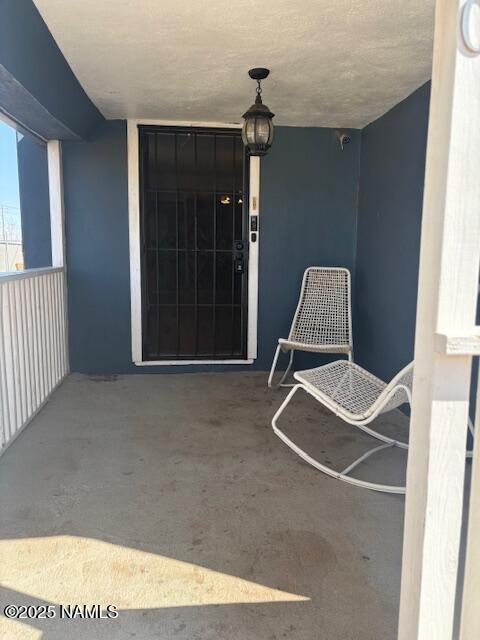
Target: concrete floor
[170, 497]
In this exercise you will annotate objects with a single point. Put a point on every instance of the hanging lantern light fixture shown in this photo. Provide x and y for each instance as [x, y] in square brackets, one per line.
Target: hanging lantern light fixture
[257, 132]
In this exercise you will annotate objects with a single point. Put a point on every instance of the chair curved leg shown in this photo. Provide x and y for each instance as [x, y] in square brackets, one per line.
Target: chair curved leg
[338, 475]
[274, 366]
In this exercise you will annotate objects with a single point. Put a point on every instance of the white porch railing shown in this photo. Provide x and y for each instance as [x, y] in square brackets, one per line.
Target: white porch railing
[33, 344]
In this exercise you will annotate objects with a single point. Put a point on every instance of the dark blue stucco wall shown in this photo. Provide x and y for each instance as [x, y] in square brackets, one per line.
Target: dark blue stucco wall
[308, 216]
[37, 85]
[34, 202]
[388, 235]
[96, 224]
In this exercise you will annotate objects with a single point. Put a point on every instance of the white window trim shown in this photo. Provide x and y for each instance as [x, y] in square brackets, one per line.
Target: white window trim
[135, 254]
[55, 188]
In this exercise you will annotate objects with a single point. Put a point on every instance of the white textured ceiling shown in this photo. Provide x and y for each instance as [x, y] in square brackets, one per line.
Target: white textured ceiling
[334, 63]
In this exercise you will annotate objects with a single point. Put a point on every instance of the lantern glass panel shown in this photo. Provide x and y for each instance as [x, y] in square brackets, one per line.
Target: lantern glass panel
[262, 130]
[248, 131]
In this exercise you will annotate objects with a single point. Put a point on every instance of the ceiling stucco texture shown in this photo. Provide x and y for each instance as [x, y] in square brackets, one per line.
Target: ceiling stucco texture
[334, 63]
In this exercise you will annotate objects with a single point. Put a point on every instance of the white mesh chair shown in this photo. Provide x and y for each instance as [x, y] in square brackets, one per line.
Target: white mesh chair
[358, 397]
[323, 319]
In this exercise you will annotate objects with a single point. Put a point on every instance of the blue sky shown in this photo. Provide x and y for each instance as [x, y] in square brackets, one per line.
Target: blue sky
[8, 167]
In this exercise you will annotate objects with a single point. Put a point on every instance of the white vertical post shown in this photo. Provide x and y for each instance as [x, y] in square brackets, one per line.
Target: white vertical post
[57, 224]
[57, 210]
[447, 294]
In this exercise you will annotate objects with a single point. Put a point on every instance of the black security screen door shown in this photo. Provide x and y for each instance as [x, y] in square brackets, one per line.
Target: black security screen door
[193, 202]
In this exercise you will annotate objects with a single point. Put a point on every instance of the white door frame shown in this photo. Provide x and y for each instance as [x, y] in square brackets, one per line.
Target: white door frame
[135, 253]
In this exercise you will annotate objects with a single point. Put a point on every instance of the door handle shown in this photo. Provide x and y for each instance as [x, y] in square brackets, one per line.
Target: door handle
[239, 266]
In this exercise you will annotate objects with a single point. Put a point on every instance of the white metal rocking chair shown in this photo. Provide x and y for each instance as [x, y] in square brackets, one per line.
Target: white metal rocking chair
[323, 321]
[358, 397]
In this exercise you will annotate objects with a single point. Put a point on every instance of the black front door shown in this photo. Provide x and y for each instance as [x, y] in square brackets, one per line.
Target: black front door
[193, 203]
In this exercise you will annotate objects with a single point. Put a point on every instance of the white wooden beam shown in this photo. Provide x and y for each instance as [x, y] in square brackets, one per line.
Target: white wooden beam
[454, 345]
[447, 294]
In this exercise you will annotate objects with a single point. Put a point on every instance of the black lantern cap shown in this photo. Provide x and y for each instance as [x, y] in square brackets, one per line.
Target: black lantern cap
[258, 109]
[259, 73]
